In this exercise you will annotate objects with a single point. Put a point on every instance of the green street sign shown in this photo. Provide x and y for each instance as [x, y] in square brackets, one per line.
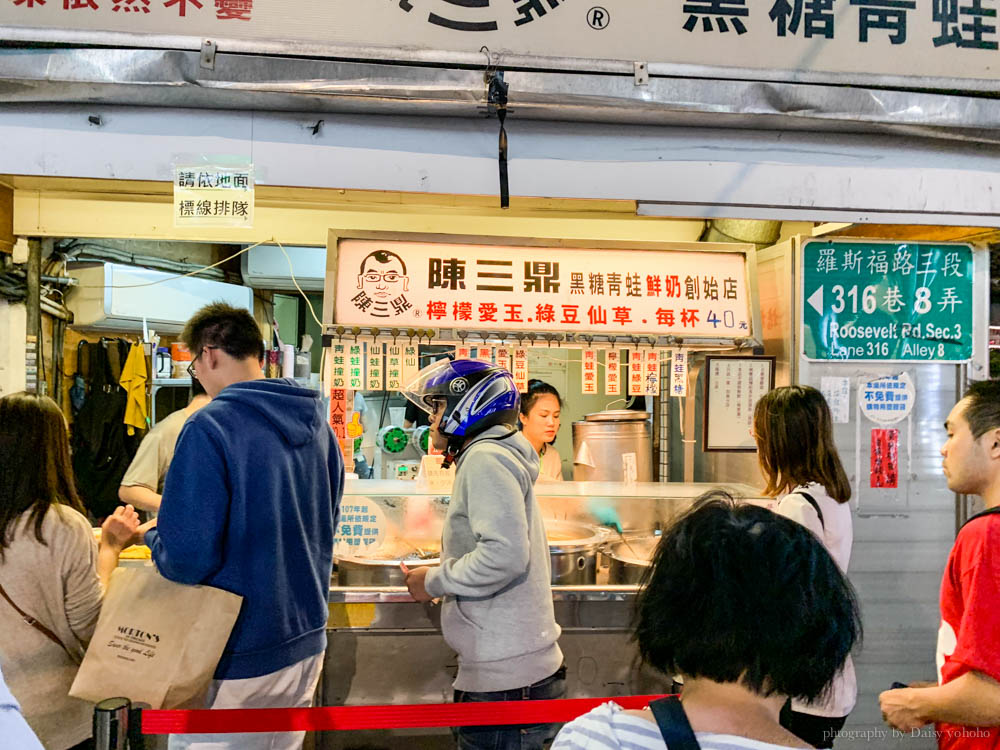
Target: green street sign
[886, 301]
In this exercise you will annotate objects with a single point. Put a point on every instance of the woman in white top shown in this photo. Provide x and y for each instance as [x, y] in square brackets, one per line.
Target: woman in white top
[794, 433]
[722, 608]
[539, 421]
[51, 569]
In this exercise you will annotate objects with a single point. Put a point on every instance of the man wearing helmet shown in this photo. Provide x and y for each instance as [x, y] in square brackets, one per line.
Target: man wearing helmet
[495, 576]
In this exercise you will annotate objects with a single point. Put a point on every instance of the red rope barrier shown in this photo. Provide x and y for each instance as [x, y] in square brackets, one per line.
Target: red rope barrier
[341, 718]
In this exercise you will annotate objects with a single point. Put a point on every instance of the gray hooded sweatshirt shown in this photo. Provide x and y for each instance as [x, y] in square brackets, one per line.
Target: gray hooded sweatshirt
[495, 578]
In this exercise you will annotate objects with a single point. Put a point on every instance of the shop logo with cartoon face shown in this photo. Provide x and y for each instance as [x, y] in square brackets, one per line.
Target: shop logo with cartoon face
[477, 15]
[382, 280]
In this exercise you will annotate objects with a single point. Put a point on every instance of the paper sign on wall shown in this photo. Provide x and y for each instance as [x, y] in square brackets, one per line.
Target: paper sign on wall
[885, 459]
[213, 195]
[463, 352]
[837, 392]
[612, 372]
[887, 400]
[589, 379]
[733, 386]
[503, 358]
[484, 353]
[521, 369]
[635, 372]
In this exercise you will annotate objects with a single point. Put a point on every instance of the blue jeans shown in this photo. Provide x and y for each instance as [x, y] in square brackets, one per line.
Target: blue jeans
[512, 737]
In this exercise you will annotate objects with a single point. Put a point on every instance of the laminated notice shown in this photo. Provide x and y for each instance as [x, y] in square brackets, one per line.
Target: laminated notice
[612, 372]
[885, 459]
[589, 375]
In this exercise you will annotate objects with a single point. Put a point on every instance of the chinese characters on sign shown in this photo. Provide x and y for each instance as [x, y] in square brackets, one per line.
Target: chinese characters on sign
[733, 386]
[887, 400]
[612, 372]
[651, 376]
[376, 365]
[394, 367]
[678, 372]
[885, 459]
[356, 367]
[837, 392]
[867, 39]
[636, 386]
[362, 523]
[520, 373]
[213, 196]
[488, 287]
[885, 301]
[589, 379]
[503, 358]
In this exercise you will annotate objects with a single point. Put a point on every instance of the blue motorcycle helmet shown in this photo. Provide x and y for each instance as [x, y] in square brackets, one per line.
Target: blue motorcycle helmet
[477, 395]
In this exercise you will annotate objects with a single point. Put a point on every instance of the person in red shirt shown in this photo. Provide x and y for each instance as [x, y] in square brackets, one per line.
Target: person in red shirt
[964, 704]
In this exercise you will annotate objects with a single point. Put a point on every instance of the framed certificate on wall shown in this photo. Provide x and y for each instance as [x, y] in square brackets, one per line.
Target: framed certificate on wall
[733, 385]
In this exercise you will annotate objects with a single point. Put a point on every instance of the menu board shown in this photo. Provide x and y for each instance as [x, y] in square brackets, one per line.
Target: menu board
[733, 386]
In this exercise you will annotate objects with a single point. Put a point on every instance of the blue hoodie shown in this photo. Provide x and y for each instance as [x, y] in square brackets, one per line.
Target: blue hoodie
[250, 505]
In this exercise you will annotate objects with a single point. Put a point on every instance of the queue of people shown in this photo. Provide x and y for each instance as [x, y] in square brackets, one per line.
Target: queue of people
[252, 499]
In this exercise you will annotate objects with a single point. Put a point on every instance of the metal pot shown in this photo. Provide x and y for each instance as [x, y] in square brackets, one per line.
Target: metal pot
[573, 549]
[613, 446]
[628, 563]
[364, 571]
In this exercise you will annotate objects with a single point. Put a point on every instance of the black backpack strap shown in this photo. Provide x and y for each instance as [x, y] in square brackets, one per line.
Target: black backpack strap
[674, 724]
[980, 514]
[812, 501]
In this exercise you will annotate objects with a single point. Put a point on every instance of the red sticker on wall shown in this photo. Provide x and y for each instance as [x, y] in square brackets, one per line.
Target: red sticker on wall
[885, 459]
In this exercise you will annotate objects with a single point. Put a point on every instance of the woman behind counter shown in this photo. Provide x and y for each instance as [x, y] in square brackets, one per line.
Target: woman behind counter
[794, 432]
[539, 421]
[50, 568]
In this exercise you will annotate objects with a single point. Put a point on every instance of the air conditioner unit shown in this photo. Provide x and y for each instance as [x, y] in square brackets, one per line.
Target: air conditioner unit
[115, 297]
[266, 267]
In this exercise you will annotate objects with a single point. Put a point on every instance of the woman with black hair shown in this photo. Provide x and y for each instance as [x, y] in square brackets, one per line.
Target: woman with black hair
[722, 607]
[539, 421]
[794, 432]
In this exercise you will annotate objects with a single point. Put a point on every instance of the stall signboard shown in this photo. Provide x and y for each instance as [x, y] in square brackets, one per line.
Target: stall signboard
[384, 283]
[213, 196]
[589, 380]
[886, 301]
[846, 40]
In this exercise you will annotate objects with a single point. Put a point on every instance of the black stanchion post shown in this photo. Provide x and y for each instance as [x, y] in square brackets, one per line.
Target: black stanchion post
[111, 724]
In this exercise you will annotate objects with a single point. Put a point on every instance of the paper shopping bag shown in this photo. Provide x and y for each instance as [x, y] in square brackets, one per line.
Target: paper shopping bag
[157, 642]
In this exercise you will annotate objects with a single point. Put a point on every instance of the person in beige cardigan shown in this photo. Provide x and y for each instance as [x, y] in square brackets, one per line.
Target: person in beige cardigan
[51, 570]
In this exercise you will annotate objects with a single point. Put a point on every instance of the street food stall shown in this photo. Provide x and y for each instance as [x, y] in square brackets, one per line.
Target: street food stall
[626, 318]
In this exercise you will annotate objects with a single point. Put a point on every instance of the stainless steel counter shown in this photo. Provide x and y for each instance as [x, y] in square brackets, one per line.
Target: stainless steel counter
[385, 648]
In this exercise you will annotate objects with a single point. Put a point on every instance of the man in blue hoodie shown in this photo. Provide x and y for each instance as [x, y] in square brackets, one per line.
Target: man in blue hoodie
[250, 505]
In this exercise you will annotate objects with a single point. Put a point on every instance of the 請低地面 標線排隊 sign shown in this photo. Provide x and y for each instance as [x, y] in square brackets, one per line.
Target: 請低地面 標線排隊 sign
[886, 301]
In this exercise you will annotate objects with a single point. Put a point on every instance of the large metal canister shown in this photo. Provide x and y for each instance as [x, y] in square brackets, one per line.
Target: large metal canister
[613, 446]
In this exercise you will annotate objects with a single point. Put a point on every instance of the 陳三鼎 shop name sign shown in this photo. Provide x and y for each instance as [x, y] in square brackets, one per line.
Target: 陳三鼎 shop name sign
[390, 284]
